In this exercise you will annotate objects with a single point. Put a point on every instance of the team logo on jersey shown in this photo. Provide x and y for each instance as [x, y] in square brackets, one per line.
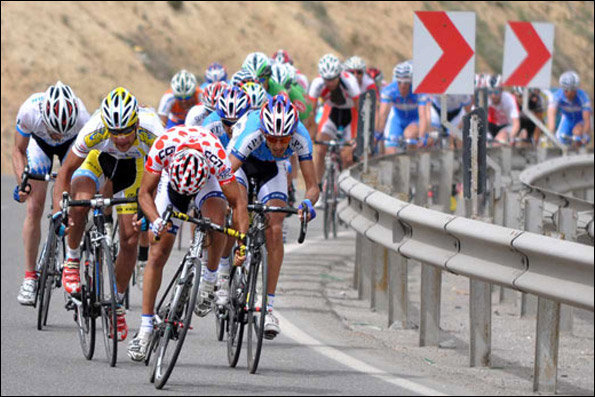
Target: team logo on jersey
[214, 159]
[300, 106]
[96, 137]
[166, 152]
[146, 137]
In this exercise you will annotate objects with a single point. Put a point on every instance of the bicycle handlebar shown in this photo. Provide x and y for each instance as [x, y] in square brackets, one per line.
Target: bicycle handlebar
[335, 143]
[25, 187]
[287, 210]
[100, 202]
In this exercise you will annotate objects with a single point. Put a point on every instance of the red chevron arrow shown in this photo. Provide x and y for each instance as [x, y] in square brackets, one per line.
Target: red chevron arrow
[537, 54]
[455, 52]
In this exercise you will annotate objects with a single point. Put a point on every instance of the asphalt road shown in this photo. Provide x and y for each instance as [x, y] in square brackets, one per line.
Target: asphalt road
[314, 354]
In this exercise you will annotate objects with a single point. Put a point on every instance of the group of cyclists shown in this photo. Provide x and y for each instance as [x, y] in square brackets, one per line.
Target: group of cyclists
[203, 145]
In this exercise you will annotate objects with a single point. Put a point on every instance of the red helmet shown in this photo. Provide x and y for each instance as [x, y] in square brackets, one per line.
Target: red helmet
[188, 171]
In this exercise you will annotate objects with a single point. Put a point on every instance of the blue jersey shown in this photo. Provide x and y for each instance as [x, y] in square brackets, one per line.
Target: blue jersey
[213, 123]
[251, 141]
[405, 108]
[572, 110]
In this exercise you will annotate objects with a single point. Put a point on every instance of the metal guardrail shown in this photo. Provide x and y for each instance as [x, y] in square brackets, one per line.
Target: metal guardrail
[555, 270]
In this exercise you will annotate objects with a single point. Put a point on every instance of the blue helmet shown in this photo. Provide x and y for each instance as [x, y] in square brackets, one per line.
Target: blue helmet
[232, 104]
[215, 72]
[279, 117]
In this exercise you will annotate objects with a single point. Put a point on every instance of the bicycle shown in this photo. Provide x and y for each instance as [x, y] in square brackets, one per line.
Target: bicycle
[173, 319]
[246, 285]
[330, 187]
[49, 263]
[99, 293]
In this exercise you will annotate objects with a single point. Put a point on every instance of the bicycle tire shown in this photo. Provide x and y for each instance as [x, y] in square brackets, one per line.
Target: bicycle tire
[41, 291]
[85, 313]
[256, 322]
[186, 305]
[107, 300]
[327, 209]
[220, 320]
[235, 322]
[334, 202]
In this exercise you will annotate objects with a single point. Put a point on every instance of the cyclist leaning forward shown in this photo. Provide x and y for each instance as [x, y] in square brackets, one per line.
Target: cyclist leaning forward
[188, 163]
[111, 146]
[265, 141]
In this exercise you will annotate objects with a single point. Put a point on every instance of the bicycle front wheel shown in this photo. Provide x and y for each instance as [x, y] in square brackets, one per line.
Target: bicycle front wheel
[236, 315]
[42, 294]
[176, 323]
[107, 301]
[257, 303]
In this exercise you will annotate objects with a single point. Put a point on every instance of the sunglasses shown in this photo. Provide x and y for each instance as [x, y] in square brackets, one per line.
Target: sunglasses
[495, 92]
[227, 122]
[360, 72]
[329, 80]
[278, 139]
[124, 131]
[184, 98]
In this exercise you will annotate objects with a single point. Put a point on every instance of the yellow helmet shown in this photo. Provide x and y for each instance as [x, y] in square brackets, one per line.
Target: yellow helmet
[119, 109]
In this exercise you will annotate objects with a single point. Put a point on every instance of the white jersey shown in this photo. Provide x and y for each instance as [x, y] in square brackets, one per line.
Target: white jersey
[368, 83]
[342, 97]
[196, 115]
[95, 135]
[504, 112]
[30, 121]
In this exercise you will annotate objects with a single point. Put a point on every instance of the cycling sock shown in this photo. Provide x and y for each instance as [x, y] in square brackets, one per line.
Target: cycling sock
[121, 296]
[146, 323]
[270, 302]
[31, 275]
[210, 276]
[224, 264]
[143, 253]
[73, 253]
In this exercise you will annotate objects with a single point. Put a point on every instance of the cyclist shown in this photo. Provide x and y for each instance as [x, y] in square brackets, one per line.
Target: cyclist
[243, 76]
[575, 108]
[267, 139]
[282, 56]
[377, 76]
[529, 131]
[111, 146]
[215, 72]
[186, 164]
[256, 94]
[175, 103]
[503, 113]
[231, 106]
[53, 119]
[407, 118]
[209, 97]
[340, 92]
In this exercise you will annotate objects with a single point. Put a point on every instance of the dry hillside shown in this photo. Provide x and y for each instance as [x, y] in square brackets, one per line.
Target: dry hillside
[96, 46]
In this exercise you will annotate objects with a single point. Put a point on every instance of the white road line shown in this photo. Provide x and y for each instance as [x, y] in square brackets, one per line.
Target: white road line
[303, 338]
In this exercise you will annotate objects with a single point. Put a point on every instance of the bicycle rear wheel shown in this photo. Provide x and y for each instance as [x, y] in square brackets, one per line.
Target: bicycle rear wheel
[235, 322]
[107, 301]
[328, 186]
[256, 316]
[176, 324]
[220, 322]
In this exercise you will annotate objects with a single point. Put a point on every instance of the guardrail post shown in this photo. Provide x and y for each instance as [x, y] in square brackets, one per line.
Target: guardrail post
[567, 223]
[545, 372]
[533, 224]
[446, 179]
[402, 177]
[358, 262]
[366, 272]
[480, 323]
[397, 291]
[513, 220]
[423, 179]
[429, 312]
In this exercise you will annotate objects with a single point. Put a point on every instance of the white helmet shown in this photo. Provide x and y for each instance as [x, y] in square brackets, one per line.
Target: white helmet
[257, 94]
[329, 67]
[183, 84]
[355, 63]
[569, 80]
[280, 74]
[403, 72]
[119, 109]
[258, 63]
[59, 108]
[188, 171]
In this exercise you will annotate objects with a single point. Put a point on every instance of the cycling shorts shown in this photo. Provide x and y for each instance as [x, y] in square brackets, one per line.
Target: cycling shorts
[271, 176]
[564, 131]
[339, 124]
[125, 175]
[40, 155]
[181, 202]
[494, 129]
[395, 127]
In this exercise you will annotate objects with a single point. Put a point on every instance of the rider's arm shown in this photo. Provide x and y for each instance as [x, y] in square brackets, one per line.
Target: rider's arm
[382, 115]
[235, 162]
[148, 187]
[19, 155]
[586, 122]
[514, 129]
[238, 203]
[309, 174]
[551, 118]
[423, 120]
[62, 183]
